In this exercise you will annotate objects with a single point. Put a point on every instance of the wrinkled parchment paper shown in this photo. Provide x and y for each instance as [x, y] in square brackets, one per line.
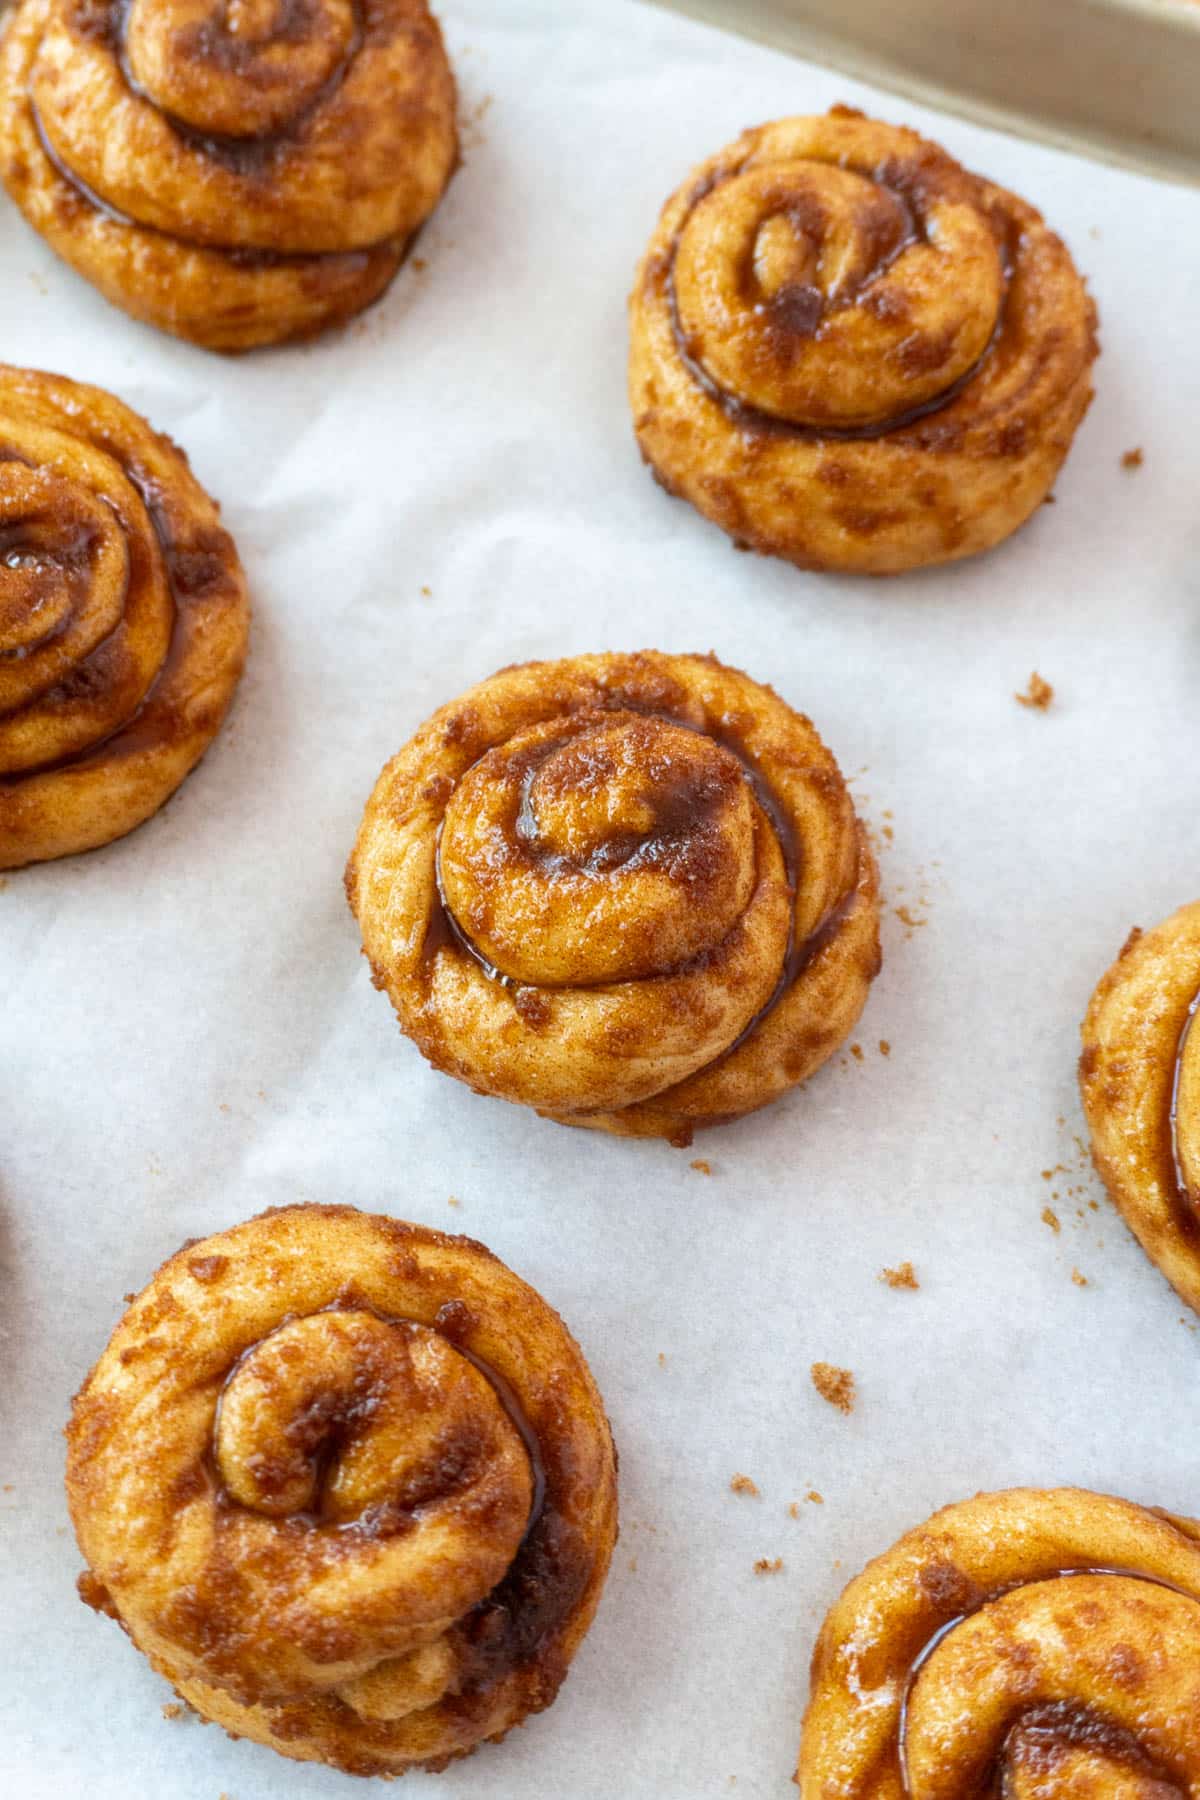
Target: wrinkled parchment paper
[188, 1033]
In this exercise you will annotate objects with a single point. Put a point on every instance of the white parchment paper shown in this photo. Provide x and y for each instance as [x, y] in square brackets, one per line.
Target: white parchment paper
[188, 1034]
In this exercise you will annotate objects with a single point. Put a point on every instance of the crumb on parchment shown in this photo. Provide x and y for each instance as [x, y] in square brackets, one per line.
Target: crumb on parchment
[742, 1484]
[172, 1709]
[1078, 1279]
[768, 1566]
[885, 1049]
[1133, 459]
[1051, 1218]
[903, 1277]
[1037, 695]
[701, 1167]
[835, 1385]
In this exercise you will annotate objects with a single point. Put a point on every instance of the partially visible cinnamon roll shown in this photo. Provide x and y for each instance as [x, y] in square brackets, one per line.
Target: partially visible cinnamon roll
[349, 1485]
[1140, 1079]
[849, 352]
[630, 891]
[123, 618]
[1025, 1643]
[237, 172]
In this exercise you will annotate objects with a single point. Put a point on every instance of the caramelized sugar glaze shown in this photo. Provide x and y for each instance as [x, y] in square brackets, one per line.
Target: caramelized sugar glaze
[349, 1485]
[630, 891]
[237, 172]
[1025, 1643]
[123, 618]
[848, 351]
[1140, 1079]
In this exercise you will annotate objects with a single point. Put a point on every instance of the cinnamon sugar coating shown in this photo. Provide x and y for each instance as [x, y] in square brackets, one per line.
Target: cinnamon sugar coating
[849, 352]
[235, 175]
[630, 891]
[1139, 1075]
[349, 1485]
[1032, 1641]
[123, 618]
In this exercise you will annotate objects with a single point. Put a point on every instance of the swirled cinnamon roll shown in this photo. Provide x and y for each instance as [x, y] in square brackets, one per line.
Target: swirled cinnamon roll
[630, 891]
[1140, 1079]
[849, 352]
[123, 618]
[237, 172]
[349, 1485]
[1026, 1643]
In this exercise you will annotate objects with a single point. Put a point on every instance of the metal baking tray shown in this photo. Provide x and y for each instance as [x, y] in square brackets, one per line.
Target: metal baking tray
[1119, 79]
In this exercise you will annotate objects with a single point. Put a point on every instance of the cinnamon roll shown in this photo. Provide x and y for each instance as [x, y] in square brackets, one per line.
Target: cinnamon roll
[1027, 1643]
[349, 1485]
[123, 618]
[236, 172]
[630, 891]
[849, 352]
[1140, 1079]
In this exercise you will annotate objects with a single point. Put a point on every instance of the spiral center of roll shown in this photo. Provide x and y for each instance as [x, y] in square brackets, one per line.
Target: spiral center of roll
[350, 1419]
[63, 573]
[606, 847]
[1086, 1678]
[237, 68]
[821, 295]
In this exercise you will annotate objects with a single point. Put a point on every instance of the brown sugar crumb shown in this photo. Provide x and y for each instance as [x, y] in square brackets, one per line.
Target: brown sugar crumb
[1038, 694]
[1078, 1279]
[427, 593]
[1051, 1218]
[856, 1051]
[1133, 459]
[453, 1200]
[885, 1049]
[742, 1484]
[768, 1567]
[172, 1710]
[817, 1499]
[835, 1385]
[419, 263]
[701, 1167]
[903, 1277]
[908, 917]
[794, 1510]
[662, 1359]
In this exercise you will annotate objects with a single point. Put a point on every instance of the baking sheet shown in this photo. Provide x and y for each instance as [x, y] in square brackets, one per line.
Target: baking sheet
[1112, 78]
[188, 1033]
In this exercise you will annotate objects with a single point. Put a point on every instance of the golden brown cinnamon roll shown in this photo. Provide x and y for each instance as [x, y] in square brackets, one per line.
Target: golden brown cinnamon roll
[123, 618]
[349, 1485]
[849, 352]
[237, 172]
[1140, 1079]
[1027, 1643]
[630, 891]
